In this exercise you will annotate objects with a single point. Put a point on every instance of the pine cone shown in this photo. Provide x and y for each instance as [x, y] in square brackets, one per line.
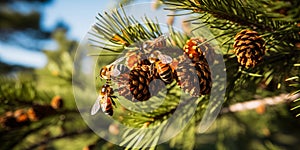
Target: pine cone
[134, 59]
[204, 76]
[56, 102]
[9, 122]
[134, 86]
[196, 52]
[21, 115]
[124, 86]
[15, 119]
[155, 86]
[37, 112]
[189, 73]
[139, 80]
[249, 48]
[124, 80]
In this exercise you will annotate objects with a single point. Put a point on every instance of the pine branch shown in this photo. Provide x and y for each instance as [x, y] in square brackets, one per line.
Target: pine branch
[14, 92]
[295, 83]
[18, 136]
[253, 104]
[232, 16]
[240, 12]
[284, 10]
[65, 135]
[115, 31]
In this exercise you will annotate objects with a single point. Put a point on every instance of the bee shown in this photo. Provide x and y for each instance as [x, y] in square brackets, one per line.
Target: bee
[154, 52]
[164, 71]
[104, 101]
[160, 66]
[148, 49]
[159, 42]
[165, 59]
[112, 70]
[159, 62]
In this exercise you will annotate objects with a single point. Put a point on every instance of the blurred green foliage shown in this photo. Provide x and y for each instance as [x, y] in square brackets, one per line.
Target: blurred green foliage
[22, 18]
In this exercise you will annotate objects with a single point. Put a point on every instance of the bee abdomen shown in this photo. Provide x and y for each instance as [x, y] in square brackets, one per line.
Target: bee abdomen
[109, 112]
[122, 68]
[165, 72]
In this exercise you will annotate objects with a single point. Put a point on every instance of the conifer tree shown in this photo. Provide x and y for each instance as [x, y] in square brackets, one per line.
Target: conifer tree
[258, 40]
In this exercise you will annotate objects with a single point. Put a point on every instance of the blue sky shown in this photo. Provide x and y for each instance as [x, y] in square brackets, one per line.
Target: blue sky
[79, 15]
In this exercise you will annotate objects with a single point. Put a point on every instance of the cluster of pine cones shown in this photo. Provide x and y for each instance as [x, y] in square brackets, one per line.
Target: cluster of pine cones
[22, 117]
[147, 77]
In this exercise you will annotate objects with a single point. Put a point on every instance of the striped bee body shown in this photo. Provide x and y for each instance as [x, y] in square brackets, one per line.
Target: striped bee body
[158, 43]
[105, 72]
[121, 68]
[104, 101]
[106, 106]
[164, 71]
[113, 70]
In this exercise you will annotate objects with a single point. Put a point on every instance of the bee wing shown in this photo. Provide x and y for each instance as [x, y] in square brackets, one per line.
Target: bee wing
[151, 44]
[96, 106]
[165, 59]
[161, 38]
[113, 102]
[116, 72]
[104, 103]
[165, 35]
[117, 61]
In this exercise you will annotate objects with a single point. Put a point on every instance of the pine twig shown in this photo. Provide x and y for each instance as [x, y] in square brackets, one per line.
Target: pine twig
[75, 133]
[253, 104]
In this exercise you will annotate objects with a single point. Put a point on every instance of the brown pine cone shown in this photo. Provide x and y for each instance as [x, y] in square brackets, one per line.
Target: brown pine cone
[56, 102]
[197, 52]
[37, 112]
[124, 86]
[249, 48]
[204, 76]
[194, 77]
[9, 122]
[139, 81]
[155, 86]
[21, 115]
